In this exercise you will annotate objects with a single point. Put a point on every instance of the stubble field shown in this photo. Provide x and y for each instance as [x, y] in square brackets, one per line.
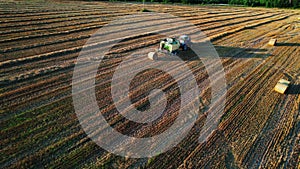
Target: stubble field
[40, 43]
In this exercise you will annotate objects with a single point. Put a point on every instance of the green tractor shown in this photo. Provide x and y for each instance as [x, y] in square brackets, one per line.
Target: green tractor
[171, 46]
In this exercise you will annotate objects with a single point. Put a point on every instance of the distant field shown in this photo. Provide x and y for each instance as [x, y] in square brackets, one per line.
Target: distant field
[39, 45]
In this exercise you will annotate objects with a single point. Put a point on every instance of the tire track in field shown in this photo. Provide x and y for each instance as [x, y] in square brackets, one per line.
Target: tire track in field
[233, 31]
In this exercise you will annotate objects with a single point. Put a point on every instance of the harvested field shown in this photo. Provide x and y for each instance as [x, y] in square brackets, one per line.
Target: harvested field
[39, 45]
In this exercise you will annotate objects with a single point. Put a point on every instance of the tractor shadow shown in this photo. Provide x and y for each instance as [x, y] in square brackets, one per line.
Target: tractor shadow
[223, 52]
[293, 89]
[188, 55]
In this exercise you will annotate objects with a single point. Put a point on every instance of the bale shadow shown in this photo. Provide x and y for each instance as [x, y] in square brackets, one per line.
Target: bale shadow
[238, 52]
[287, 44]
[293, 89]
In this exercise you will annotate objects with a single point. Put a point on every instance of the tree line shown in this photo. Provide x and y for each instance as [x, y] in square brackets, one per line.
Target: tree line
[267, 3]
[253, 3]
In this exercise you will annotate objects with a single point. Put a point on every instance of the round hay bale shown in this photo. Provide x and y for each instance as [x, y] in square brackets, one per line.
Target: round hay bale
[152, 55]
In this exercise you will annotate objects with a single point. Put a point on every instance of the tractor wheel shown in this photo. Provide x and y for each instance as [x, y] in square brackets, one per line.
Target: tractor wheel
[162, 46]
[185, 47]
[174, 52]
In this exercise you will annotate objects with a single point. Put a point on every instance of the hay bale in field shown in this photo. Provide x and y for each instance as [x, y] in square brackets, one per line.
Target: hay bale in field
[272, 42]
[152, 55]
[282, 86]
